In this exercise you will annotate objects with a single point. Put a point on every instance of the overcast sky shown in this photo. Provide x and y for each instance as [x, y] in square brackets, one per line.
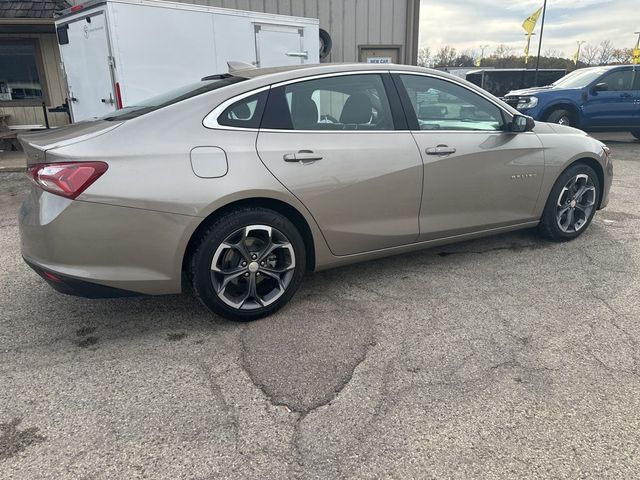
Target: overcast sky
[466, 24]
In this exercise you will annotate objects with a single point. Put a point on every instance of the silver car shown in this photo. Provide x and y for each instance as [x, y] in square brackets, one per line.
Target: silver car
[234, 187]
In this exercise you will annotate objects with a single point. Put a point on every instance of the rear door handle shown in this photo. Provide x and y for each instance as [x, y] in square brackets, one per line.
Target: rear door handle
[303, 156]
[441, 150]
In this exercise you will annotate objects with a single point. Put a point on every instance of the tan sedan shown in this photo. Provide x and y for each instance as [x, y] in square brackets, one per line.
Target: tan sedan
[237, 185]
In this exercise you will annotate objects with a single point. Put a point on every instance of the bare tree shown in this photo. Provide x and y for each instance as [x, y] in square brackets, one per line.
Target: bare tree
[605, 52]
[622, 55]
[466, 58]
[552, 53]
[503, 51]
[424, 56]
[589, 53]
[445, 56]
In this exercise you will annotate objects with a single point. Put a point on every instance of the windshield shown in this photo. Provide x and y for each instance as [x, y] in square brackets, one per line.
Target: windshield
[173, 96]
[579, 78]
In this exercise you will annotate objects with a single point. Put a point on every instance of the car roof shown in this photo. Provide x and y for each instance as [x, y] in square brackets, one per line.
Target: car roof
[295, 71]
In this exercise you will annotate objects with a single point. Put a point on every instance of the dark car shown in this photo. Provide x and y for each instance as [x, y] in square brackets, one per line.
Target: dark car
[592, 99]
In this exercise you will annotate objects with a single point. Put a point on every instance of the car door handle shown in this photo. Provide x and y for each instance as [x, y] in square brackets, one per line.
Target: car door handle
[626, 95]
[304, 156]
[441, 150]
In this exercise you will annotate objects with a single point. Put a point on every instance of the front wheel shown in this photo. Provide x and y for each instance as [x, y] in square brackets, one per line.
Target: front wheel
[572, 204]
[561, 117]
[248, 264]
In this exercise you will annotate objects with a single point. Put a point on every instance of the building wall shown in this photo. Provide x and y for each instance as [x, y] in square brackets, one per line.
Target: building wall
[349, 22]
[32, 115]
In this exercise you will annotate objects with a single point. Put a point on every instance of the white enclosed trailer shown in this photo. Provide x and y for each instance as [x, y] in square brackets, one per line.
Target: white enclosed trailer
[118, 52]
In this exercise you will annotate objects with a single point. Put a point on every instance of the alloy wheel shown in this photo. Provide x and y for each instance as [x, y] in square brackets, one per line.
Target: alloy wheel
[253, 267]
[576, 203]
[564, 120]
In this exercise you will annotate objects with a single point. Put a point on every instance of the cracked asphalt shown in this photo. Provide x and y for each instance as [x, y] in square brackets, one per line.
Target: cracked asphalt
[506, 357]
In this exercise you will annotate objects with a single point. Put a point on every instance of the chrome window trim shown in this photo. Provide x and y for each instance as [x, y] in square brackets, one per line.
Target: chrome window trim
[210, 121]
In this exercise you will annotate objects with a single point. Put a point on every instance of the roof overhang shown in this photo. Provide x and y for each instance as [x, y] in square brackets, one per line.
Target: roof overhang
[27, 25]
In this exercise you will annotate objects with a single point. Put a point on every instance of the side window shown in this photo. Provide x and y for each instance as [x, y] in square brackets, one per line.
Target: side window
[618, 81]
[442, 105]
[350, 102]
[245, 113]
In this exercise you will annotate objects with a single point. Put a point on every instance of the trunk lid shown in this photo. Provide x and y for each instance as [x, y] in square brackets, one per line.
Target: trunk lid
[36, 144]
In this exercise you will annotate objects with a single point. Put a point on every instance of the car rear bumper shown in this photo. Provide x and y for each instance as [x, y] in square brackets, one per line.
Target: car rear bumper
[78, 288]
[90, 245]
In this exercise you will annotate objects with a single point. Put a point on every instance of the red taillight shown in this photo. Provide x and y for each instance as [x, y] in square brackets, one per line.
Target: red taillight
[75, 8]
[50, 276]
[67, 179]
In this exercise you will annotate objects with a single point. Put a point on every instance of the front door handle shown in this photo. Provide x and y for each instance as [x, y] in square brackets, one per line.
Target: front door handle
[441, 150]
[303, 156]
[626, 95]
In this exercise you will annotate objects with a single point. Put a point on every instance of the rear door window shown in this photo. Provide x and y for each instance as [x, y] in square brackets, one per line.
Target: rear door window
[349, 102]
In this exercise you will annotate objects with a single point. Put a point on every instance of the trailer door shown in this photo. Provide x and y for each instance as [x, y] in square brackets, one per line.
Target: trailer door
[278, 45]
[86, 59]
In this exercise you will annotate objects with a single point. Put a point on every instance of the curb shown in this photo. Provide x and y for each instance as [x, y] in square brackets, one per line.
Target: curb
[13, 169]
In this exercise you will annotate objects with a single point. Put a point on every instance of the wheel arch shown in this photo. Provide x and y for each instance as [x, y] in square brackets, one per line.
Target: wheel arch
[289, 211]
[562, 105]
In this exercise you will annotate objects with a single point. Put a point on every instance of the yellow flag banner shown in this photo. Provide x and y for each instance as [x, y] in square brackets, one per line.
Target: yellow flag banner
[530, 23]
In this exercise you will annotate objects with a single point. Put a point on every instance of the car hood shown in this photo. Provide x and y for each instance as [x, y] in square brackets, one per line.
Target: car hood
[525, 92]
[35, 144]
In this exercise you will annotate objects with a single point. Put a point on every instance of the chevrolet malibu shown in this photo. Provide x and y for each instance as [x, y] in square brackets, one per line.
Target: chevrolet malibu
[234, 187]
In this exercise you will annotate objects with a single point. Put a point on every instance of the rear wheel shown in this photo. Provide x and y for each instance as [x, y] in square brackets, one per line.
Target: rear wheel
[249, 264]
[562, 117]
[636, 133]
[572, 204]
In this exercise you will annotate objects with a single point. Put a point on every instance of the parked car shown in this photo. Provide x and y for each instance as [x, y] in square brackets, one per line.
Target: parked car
[592, 99]
[499, 81]
[236, 186]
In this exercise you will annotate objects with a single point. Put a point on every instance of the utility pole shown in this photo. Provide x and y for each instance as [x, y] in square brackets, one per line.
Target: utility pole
[580, 43]
[544, 11]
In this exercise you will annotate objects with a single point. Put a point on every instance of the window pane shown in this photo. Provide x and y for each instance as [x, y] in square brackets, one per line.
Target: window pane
[619, 81]
[350, 102]
[19, 72]
[245, 113]
[442, 105]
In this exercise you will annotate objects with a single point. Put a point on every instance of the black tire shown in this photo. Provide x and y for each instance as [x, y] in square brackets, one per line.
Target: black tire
[203, 278]
[636, 133]
[562, 117]
[550, 222]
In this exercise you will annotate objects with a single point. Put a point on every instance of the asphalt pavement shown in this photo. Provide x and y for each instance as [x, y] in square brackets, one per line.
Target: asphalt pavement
[505, 357]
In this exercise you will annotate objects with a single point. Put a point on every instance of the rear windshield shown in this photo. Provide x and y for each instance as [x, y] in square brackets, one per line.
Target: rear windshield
[173, 96]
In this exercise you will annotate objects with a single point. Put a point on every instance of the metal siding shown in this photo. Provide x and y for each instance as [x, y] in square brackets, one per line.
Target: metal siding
[386, 21]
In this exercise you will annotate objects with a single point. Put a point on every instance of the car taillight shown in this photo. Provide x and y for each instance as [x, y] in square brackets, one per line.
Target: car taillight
[68, 179]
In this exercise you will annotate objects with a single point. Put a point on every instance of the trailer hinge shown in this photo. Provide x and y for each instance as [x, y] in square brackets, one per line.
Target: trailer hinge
[112, 61]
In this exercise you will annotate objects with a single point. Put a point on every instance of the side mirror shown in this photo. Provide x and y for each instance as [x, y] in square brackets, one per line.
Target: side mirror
[521, 123]
[600, 87]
